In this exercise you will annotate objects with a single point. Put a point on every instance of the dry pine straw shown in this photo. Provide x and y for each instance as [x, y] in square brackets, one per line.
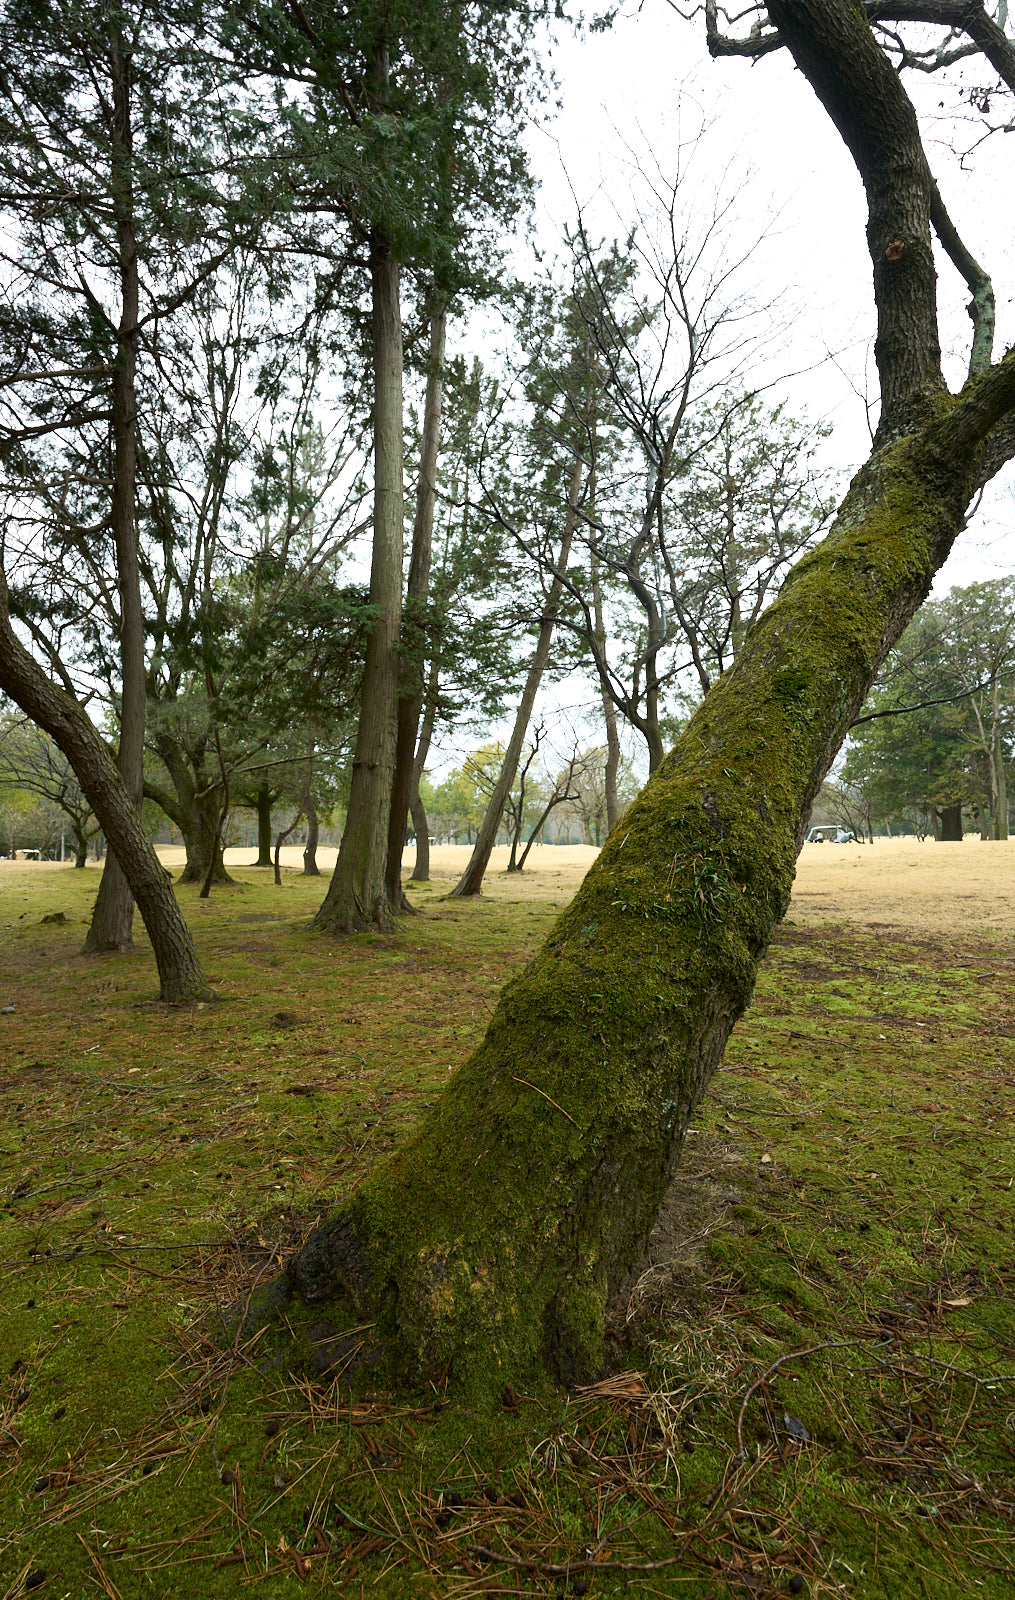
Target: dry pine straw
[157, 1167]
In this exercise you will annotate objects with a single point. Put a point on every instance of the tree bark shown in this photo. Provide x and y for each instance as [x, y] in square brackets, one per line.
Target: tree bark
[487, 1245]
[357, 896]
[410, 700]
[471, 881]
[263, 827]
[310, 867]
[951, 824]
[113, 915]
[199, 826]
[68, 726]
[835, 49]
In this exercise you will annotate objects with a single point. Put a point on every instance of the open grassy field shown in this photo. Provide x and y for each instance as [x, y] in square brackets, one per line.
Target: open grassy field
[812, 1384]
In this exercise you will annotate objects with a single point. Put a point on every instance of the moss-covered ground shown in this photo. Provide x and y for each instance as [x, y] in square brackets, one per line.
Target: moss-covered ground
[813, 1385]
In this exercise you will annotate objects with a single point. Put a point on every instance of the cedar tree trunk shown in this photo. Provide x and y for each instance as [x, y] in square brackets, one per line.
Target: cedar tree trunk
[357, 896]
[199, 826]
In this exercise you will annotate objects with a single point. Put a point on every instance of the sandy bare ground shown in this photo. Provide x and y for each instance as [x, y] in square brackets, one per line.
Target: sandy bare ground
[901, 883]
[894, 883]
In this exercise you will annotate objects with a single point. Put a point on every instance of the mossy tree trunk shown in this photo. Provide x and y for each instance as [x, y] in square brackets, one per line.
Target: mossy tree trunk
[491, 1240]
[200, 830]
[487, 1245]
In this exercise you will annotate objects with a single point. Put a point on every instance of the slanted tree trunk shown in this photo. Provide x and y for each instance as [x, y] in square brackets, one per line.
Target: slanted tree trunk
[113, 914]
[72, 731]
[487, 1245]
[310, 867]
[410, 699]
[491, 1240]
[357, 896]
[471, 881]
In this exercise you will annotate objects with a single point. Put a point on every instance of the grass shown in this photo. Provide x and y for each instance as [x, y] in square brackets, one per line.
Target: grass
[812, 1388]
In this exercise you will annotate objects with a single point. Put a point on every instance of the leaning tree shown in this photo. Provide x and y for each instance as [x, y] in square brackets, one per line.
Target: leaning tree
[488, 1243]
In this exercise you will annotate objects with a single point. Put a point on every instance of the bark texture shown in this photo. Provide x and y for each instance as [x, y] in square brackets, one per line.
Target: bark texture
[194, 803]
[357, 896]
[489, 1243]
[420, 825]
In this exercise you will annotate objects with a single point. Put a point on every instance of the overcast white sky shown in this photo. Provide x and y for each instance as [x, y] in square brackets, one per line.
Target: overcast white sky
[647, 84]
[649, 80]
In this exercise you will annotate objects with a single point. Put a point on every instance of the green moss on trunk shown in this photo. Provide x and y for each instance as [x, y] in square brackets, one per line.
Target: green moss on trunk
[488, 1244]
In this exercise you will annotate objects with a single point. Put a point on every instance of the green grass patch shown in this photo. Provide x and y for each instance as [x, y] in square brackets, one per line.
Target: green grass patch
[813, 1379]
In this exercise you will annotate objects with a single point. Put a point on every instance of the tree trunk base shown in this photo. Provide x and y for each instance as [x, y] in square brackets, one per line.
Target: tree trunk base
[193, 872]
[341, 917]
[94, 946]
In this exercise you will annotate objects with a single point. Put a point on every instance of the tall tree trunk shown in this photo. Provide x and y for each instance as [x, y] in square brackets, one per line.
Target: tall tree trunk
[73, 732]
[471, 881]
[357, 896]
[263, 827]
[310, 867]
[410, 700]
[609, 710]
[113, 914]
